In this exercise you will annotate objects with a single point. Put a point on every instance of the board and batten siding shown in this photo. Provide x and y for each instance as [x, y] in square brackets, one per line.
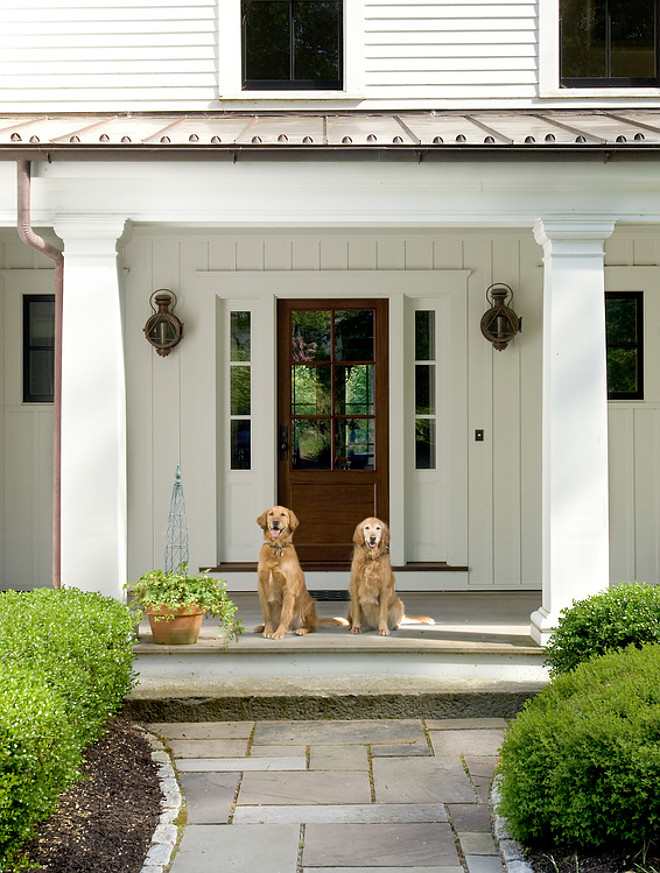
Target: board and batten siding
[174, 417]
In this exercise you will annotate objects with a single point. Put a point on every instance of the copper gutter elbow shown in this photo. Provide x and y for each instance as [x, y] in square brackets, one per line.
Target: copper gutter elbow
[30, 238]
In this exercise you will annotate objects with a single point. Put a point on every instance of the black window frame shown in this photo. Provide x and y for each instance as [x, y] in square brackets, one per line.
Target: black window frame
[638, 345]
[30, 346]
[609, 81]
[293, 84]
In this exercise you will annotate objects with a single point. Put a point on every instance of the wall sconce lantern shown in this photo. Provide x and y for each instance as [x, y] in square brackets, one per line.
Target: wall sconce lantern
[163, 329]
[500, 324]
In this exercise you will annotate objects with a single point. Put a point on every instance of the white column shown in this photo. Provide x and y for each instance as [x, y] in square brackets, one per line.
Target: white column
[575, 461]
[94, 530]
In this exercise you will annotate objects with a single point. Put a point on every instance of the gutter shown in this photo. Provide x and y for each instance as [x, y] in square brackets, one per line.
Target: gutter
[30, 238]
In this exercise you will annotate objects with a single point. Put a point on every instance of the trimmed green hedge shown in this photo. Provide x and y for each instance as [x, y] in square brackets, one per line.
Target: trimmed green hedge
[66, 666]
[626, 615]
[581, 764]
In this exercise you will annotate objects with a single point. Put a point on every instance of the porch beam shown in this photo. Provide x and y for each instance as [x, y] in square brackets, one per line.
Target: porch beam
[94, 527]
[575, 554]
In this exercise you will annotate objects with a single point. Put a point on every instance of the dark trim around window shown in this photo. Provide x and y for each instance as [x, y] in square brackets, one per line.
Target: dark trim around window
[38, 348]
[624, 317]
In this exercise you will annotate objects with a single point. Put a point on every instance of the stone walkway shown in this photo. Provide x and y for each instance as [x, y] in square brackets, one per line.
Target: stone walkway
[398, 795]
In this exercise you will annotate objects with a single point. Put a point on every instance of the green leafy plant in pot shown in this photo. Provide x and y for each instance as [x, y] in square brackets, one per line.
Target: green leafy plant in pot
[175, 604]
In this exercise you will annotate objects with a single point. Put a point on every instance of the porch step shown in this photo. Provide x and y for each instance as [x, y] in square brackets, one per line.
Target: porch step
[477, 660]
[161, 699]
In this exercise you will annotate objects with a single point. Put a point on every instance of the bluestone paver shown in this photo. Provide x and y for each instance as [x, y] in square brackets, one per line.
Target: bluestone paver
[340, 732]
[191, 765]
[208, 748]
[239, 848]
[305, 788]
[227, 730]
[347, 813]
[421, 845]
[420, 780]
[209, 796]
[338, 758]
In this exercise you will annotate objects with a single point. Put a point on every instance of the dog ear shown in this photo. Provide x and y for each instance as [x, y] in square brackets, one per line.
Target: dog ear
[293, 520]
[261, 521]
[358, 535]
[385, 539]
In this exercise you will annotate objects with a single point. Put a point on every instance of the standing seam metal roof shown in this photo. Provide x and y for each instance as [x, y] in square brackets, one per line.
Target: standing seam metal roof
[160, 135]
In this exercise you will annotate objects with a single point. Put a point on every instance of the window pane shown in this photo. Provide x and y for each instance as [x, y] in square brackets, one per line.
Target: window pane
[241, 445]
[633, 38]
[354, 335]
[425, 444]
[316, 38]
[624, 330]
[266, 39]
[354, 390]
[425, 389]
[583, 46]
[311, 444]
[40, 376]
[240, 391]
[424, 335]
[310, 335]
[355, 444]
[310, 390]
[240, 336]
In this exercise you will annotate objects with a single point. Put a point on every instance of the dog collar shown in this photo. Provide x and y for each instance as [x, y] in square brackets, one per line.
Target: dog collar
[278, 547]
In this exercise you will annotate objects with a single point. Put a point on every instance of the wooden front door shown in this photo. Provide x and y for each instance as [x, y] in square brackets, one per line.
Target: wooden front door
[333, 420]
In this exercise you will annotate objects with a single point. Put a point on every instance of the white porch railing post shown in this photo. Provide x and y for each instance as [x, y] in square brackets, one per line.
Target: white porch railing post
[575, 450]
[94, 528]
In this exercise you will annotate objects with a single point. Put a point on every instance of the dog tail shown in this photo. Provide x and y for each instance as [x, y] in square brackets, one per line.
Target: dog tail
[423, 619]
[332, 622]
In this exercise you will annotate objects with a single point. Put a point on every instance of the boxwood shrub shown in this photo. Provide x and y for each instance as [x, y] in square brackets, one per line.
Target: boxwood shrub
[613, 619]
[580, 766]
[66, 666]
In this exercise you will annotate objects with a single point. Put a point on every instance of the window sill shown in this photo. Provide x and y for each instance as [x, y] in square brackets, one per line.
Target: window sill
[572, 93]
[289, 96]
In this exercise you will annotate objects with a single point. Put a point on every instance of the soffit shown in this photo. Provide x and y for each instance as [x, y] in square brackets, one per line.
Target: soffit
[345, 135]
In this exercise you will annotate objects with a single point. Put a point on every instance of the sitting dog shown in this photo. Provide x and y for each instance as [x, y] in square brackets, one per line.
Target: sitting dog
[374, 603]
[286, 603]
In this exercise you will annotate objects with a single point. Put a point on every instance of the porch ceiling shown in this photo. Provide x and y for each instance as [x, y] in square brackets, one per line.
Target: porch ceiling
[336, 136]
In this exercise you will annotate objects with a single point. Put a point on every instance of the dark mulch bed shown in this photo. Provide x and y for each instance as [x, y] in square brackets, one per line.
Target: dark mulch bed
[564, 860]
[106, 820]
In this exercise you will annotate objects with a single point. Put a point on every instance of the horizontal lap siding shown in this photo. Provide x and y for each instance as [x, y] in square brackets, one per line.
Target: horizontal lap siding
[447, 53]
[150, 54]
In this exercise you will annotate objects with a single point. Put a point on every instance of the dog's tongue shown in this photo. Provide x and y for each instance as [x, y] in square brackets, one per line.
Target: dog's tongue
[371, 545]
[275, 531]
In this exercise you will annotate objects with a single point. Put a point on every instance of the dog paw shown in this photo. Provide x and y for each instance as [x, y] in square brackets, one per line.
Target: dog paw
[279, 634]
[384, 632]
[356, 629]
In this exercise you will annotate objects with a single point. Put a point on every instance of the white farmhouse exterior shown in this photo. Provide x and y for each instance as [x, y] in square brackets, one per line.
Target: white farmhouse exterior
[452, 156]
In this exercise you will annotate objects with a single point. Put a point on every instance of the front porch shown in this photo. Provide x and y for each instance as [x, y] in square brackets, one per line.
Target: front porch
[478, 659]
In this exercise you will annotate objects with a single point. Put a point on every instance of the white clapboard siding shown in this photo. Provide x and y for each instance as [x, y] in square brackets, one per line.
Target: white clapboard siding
[450, 52]
[86, 56]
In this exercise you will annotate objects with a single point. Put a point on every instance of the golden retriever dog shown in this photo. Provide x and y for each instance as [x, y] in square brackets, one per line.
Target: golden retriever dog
[286, 603]
[374, 603]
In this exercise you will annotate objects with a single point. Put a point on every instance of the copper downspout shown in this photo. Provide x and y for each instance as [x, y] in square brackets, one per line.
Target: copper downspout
[29, 237]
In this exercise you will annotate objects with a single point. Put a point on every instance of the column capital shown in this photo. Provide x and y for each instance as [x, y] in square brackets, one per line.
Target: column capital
[90, 234]
[573, 229]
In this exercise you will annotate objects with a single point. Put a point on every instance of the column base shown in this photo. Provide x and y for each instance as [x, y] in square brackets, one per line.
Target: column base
[543, 626]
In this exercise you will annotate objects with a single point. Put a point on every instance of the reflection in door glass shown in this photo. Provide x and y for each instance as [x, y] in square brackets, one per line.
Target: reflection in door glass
[354, 335]
[311, 444]
[240, 389]
[310, 335]
[355, 444]
[310, 390]
[425, 390]
[354, 390]
[240, 444]
[240, 336]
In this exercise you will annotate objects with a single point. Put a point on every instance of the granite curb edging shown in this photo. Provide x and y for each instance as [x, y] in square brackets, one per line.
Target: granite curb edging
[511, 851]
[166, 836]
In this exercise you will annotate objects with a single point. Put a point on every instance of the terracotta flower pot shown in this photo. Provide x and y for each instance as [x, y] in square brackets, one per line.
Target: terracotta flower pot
[183, 629]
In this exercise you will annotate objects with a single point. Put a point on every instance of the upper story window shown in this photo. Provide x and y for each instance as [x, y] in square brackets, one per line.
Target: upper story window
[292, 45]
[609, 43]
